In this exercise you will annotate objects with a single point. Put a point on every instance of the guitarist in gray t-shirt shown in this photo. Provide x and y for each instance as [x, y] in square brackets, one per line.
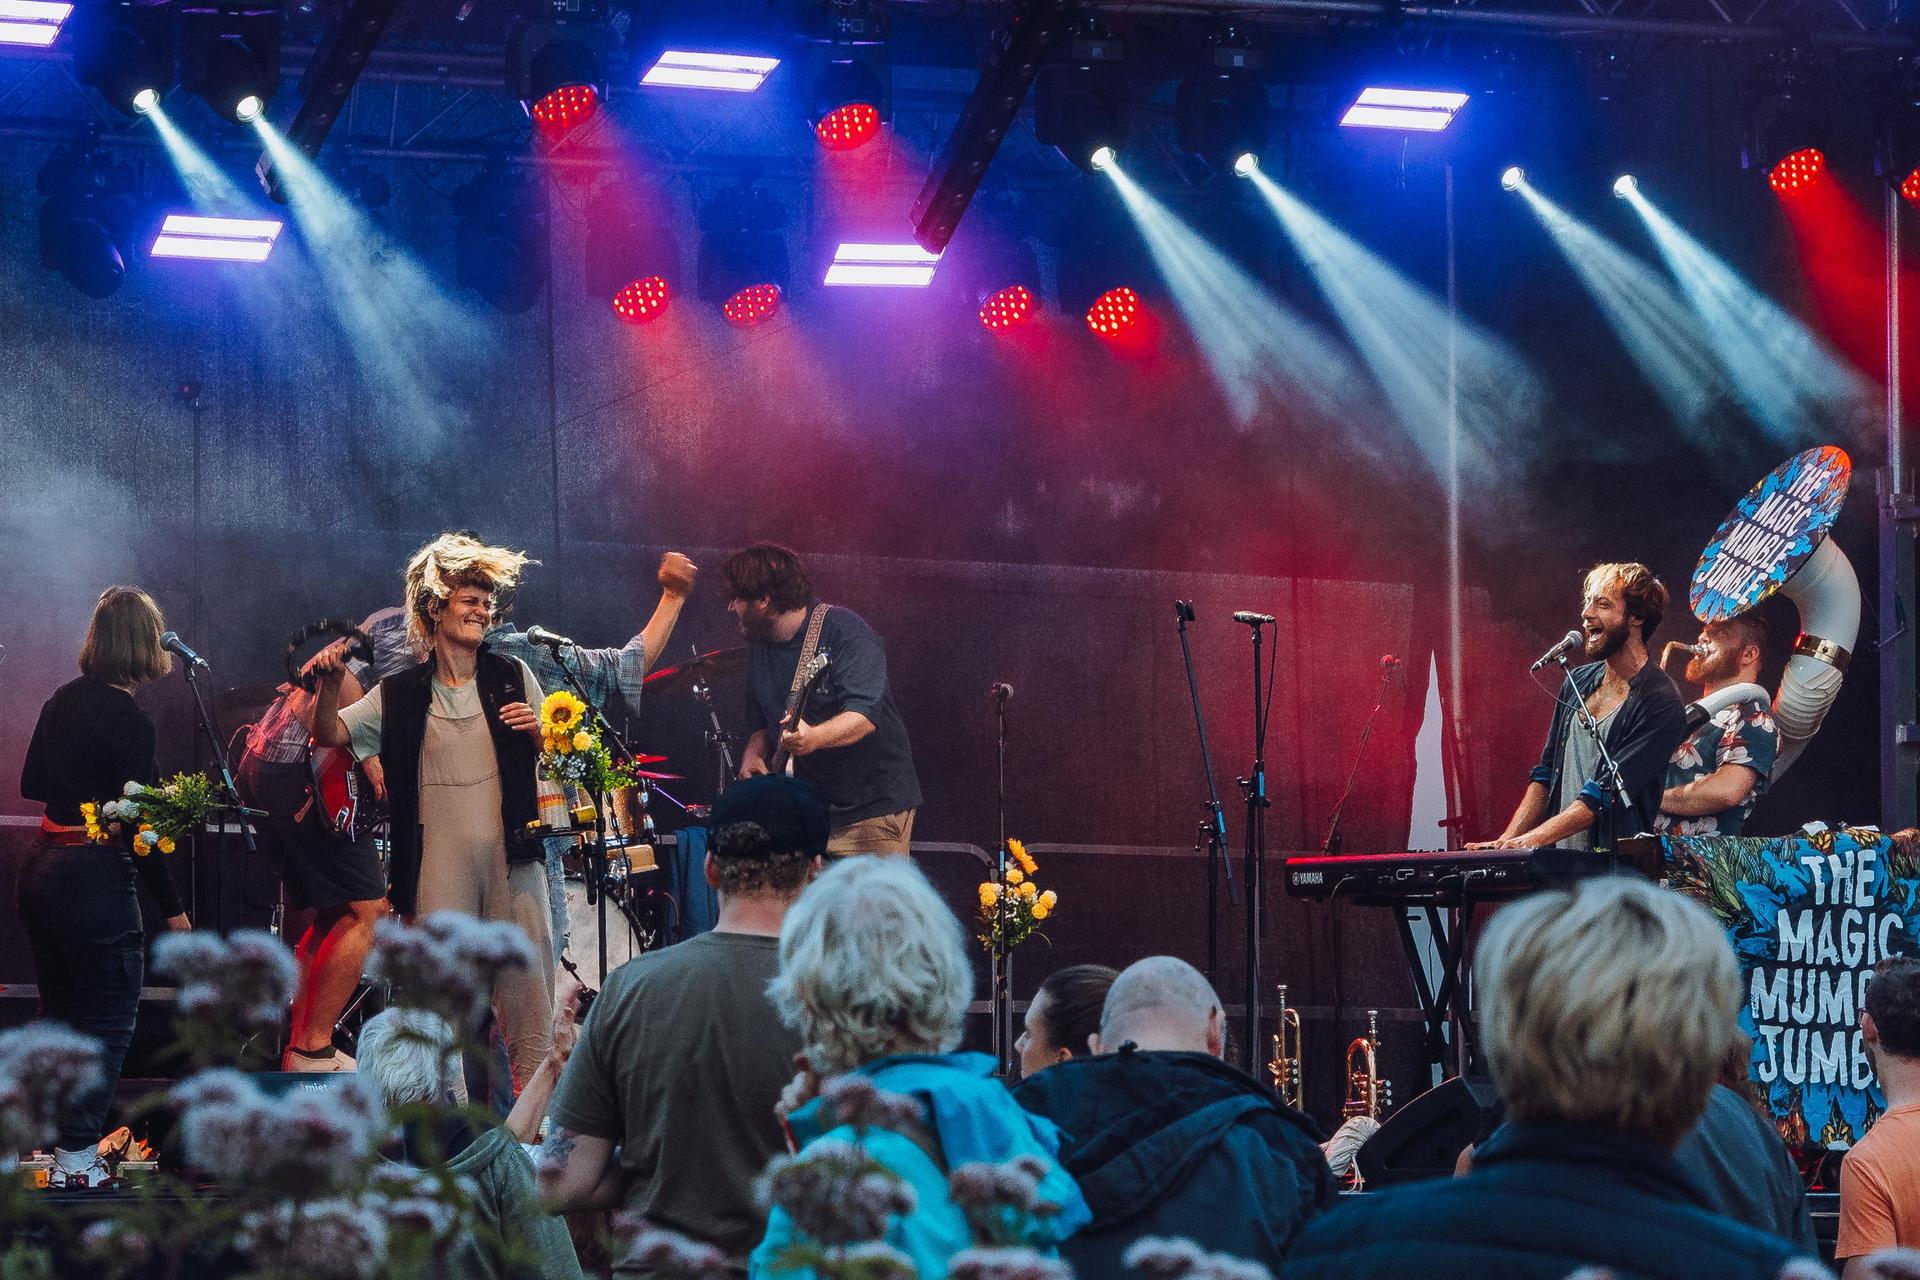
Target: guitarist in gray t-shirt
[817, 697]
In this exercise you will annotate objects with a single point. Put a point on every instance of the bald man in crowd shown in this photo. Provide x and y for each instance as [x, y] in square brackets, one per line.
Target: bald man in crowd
[1187, 1145]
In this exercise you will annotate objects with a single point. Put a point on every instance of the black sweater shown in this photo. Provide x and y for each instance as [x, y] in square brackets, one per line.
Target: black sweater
[91, 741]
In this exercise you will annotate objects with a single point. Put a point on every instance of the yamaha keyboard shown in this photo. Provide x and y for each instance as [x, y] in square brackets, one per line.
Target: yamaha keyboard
[1453, 874]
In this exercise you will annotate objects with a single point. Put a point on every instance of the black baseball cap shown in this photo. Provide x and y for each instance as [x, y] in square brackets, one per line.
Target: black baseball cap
[789, 810]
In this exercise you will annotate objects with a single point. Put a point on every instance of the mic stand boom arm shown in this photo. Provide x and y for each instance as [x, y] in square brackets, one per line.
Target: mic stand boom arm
[1213, 828]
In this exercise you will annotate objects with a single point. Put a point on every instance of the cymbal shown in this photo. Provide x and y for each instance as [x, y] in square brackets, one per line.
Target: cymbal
[650, 776]
[720, 664]
[644, 759]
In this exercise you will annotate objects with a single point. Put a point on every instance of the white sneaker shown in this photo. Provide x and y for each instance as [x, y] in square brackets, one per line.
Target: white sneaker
[295, 1061]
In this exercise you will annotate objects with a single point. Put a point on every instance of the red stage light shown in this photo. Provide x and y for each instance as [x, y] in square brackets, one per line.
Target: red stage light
[1799, 170]
[1910, 187]
[642, 300]
[1012, 305]
[1114, 312]
[845, 128]
[566, 107]
[752, 304]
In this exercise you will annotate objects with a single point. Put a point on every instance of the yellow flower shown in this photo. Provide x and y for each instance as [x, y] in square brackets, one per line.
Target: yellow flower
[1015, 875]
[989, 894]
[1049, 900]
[166, 844]
[561, 710]
[146, 826]
[1018, 852]
[582, 741]
[87, 810]
[1028, 891]
[1041, 911]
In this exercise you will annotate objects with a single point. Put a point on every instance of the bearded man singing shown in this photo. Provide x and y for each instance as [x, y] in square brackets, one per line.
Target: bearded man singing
[1719, 773]
[1638, 711]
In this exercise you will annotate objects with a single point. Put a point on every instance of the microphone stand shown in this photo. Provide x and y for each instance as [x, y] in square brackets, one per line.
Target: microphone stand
[212, 732]
[1603, 832]
[1332, 843]
[597, 860]
[1002, 994]
[1255, 787]
[1213, 827]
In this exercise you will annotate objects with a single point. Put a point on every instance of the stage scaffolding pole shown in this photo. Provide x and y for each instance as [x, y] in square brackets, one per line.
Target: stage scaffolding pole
[1899, 734]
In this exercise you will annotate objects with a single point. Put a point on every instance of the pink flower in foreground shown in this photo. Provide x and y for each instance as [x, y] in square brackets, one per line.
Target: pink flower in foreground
[234, 987]
[315, 1137]
[448, 963]
[667, 1255]
[1166, 1258]
[1006, 1264]
[44, 1066]
[334, 1239]
[836, 1193]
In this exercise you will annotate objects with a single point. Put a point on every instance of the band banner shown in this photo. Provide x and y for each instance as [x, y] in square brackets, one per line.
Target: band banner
[1809, 917]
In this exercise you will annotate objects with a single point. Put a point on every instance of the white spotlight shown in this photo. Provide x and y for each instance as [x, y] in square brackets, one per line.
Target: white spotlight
[145, 101]
[1511, 177]
[1246, 164]
[1102, 157]
[1625, 185]
[248, 109]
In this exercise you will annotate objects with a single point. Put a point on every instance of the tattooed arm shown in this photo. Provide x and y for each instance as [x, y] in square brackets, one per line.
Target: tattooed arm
[577, 1172]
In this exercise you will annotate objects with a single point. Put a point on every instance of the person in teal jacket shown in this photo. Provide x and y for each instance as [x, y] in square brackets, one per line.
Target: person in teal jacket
[874, 977]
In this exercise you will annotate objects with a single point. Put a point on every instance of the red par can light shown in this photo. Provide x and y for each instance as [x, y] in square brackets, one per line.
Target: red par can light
[565, 107]
[844, 128]
[1910, 187]
[1010, 306]
[642, 300]
[1797, 171]
[751, 305]
[1114, 312]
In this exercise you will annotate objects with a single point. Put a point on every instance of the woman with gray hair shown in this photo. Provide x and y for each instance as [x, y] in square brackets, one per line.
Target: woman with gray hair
[874, 977]
[411, 1060]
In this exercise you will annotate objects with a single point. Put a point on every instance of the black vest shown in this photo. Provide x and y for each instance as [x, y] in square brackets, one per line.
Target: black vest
[405, 699]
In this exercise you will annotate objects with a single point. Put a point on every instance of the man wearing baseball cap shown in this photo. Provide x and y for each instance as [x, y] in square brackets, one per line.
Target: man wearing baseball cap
[666, 1108]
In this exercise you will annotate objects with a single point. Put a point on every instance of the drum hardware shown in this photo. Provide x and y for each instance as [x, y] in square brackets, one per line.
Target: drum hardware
[1287, 1066]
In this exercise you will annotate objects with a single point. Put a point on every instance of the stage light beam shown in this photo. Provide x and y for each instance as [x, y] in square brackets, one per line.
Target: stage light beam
[1246, 164]
[1796, 387]
[1435, 367]
[1101, 159]
[1255, 348]
[145, 101]
[207, 184]
[247, 110]
[1512, 178]
[1625, 185]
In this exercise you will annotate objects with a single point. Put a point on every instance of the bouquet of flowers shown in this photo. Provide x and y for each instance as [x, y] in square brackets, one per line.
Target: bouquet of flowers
[571, 751]
[1012, 907]
[148, 818]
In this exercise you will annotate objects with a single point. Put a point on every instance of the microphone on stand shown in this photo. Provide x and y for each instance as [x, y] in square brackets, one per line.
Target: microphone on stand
[1568, 643]
[1000, 692]
[171, 640]
[1389, 663]
[551, 639]
[1254, 619]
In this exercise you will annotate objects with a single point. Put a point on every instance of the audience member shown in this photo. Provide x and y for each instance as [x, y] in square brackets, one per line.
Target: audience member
[1880, 1177]
[667, 1106]
[1165, 1139]
[1605, 1012]
[1736, 1155]
[410, 1059]
[1063, 1017]
[874, 977]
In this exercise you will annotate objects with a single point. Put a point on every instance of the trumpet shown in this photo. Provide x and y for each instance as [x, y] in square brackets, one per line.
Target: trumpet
[1367, 1094]
[1681, 646]
[1286, 1064]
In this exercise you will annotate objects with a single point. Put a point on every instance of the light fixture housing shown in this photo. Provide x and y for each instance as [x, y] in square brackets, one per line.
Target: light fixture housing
[556, 66]
[1625, 185]
[123, 51]
[1406, 110]
[851, 97]
[32, 24]
[1220, 114]
[87, 220]
[1081, 110]
[699, 69]
[190, 235]
[231, 54]
[896, 266]
[1512, 177]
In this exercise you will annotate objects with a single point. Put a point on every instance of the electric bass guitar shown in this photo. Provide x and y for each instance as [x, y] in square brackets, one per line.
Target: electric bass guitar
[810, 677]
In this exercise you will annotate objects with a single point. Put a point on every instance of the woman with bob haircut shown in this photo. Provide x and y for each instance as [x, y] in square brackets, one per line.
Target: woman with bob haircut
[1064, 1016]
[874, 977]
[77, 899]
[457, 736]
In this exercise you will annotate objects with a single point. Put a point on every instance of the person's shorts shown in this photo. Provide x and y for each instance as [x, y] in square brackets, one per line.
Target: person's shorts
[317, 868]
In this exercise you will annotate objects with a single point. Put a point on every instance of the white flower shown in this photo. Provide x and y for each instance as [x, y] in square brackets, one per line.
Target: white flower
[132, 789]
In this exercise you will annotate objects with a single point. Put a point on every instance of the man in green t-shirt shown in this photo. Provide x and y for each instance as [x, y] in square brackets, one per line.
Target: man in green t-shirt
[666, 1106]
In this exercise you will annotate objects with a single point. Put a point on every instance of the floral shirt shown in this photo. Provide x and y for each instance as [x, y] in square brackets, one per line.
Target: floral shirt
[1741, 734]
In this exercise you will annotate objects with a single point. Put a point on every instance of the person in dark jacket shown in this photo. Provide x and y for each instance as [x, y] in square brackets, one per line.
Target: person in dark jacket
[1605, 1012]
[1569, 801]
[1165, 1139]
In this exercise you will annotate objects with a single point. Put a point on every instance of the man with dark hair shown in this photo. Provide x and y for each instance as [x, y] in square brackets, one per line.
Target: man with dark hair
[1718, 774]
[847, 737]
[666, 1106]
[1636, 707]
[1880, 1178]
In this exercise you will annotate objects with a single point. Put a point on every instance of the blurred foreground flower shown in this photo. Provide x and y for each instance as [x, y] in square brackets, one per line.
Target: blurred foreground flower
[448, 963]
[666, 1255]
[1006, 1264]
[1165, 1258]
[231, 988]
[1002, 1201]
[332, 1239]
[44, 1067]
[311, 1141]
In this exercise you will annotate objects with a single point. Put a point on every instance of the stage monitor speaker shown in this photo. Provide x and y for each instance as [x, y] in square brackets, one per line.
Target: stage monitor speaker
[1425, 1137]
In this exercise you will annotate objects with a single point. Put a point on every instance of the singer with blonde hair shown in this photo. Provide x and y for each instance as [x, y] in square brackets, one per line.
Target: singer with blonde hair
[458, 737]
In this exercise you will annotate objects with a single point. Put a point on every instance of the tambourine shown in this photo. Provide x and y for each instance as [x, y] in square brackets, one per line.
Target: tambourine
[361, 649]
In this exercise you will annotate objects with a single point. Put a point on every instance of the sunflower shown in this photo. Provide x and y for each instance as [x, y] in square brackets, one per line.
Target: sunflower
[1018, 851]
[561, 710]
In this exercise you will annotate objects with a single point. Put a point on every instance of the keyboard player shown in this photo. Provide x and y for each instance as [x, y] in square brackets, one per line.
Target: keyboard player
[1636, 705]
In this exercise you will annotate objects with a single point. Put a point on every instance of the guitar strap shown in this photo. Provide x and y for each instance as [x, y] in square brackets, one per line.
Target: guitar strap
[815, 623]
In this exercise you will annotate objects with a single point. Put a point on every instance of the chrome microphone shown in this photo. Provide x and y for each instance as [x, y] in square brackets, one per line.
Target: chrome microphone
[1254, 619]
[171, 640]
[1568, 643]
[551, 639]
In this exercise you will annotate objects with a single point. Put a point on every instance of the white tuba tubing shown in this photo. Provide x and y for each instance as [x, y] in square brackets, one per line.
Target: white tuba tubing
[1827, 593]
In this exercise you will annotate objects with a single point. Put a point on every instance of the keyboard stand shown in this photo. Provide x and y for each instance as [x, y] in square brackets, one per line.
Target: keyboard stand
[1449, 1004]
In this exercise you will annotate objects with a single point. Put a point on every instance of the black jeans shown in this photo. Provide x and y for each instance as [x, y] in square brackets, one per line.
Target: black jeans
[82, 917]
